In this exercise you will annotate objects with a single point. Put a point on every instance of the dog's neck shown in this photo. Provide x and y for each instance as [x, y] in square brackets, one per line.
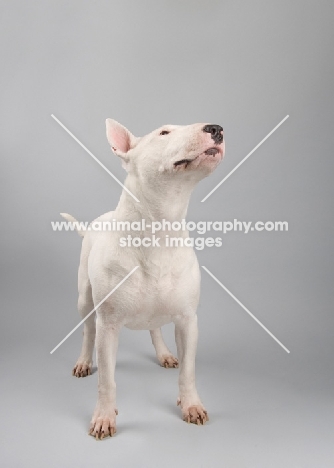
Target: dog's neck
[167, 200]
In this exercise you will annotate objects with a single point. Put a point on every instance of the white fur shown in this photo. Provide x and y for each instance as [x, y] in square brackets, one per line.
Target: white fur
[166, 286]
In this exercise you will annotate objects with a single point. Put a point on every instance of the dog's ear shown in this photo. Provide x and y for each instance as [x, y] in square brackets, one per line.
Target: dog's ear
[120, 139]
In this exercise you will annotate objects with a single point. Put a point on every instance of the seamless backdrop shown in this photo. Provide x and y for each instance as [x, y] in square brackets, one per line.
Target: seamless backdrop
[245, 66]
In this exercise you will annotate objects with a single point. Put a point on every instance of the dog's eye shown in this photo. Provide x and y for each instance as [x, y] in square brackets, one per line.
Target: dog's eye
[164, 132]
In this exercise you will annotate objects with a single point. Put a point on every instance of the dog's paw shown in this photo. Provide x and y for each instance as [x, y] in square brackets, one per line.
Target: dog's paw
[168, 360]
[82, 369]
[195, 414]
[103, 424]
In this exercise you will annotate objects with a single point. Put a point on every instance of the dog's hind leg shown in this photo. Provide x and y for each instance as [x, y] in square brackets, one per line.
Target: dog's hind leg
[165, 357]
[83, 366]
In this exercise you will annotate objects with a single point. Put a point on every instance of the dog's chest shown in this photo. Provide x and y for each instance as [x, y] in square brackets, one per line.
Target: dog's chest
[165, 284]
[162, 291]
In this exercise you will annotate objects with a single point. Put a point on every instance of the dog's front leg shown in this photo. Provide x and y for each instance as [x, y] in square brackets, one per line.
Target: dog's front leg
[186, 335]
[103, 422]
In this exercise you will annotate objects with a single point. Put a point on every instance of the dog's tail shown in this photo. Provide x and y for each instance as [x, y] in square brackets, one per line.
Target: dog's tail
[76, 223]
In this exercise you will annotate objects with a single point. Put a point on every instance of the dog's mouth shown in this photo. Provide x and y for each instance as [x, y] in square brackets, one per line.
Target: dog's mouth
[184, 162]
[213, 151]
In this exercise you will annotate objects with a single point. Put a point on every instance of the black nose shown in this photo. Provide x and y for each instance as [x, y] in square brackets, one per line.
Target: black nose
[216, 132]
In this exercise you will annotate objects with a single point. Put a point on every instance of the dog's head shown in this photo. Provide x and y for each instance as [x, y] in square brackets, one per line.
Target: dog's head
[190, 151]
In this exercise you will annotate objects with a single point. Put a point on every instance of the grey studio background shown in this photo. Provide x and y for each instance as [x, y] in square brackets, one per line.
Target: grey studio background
[244, 65]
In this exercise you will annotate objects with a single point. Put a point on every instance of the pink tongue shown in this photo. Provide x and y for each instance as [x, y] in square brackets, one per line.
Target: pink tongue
[212, 151]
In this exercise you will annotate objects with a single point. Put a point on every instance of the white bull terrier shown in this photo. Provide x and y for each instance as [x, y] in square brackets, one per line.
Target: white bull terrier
[163, 168]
